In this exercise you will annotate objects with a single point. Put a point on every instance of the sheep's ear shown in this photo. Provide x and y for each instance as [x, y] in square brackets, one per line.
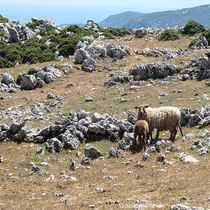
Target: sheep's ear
[146, 106]
[137, 107]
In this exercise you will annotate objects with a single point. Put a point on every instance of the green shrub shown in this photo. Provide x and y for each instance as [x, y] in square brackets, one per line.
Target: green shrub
[33, 71]
[192, 27]
[193, 42]
[3, 19]
[68, 45]
[79, 31]
[12, 53]
[169, 35]
[4, 63]
[205, 33]
[110, 33]
[34, 25]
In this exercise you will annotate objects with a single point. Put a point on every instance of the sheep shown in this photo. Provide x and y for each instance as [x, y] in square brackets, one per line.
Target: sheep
[141, 131]
[161, 118]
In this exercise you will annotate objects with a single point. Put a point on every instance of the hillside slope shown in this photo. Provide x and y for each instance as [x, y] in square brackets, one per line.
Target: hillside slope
[200, 14]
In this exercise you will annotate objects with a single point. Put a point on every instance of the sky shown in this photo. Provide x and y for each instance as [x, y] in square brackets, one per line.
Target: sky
[79, 11]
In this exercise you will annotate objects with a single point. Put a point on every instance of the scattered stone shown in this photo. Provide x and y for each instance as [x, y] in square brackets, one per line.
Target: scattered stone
[179, 207]
[88, 99]
[1, 159]
[40, 151]
[146, 156]
[113, 153]
[186, 158]
[203, 150]
[85, 161]
[72, 164]
[92, 152]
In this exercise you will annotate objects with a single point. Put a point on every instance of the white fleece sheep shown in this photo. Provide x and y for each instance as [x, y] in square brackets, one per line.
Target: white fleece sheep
[161, 118]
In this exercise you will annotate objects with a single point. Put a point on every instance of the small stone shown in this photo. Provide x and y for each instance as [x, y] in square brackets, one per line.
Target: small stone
[85, 161]
[146, 156]
[72, 164]
[203, 151]
[50, 96]
[88, 99]
[40, 151]
[78, 154]
[1, 159]
[184, 198]
[91, 206]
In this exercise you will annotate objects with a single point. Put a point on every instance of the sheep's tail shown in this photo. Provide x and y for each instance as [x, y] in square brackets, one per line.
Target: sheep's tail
[180, 128]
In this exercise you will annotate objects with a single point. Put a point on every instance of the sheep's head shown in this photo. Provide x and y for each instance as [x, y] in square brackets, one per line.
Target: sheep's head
[141, 110]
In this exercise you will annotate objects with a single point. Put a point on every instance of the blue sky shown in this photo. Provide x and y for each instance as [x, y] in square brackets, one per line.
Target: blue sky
[79, 11]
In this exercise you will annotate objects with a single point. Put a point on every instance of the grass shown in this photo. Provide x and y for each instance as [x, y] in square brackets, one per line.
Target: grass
[21, 189]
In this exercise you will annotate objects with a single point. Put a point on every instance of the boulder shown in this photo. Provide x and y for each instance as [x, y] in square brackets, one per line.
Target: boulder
[89, 64]
[80, 55]
[7, 79]
[92, 152]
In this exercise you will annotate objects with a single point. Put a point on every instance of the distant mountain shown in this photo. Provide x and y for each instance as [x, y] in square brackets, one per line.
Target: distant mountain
[118, 21]
[172, 18]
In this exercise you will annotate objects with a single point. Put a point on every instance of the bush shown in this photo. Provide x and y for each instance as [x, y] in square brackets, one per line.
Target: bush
[12, 53]
[3, 19]
[205, 33]
[77, 30]
[68, 45]
[192, 27]
[33, 71]
[111, 33]
[169, 35]
[34, 25]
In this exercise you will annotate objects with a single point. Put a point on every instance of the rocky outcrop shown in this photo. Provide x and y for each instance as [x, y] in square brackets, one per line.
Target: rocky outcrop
[44, 76]
[117, 51]
[153, 70]
[202, 43]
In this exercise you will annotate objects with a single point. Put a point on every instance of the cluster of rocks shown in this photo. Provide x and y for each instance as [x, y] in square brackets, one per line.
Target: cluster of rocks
[201, 68]
[202, 43]
[33, 112]
[191, 118]
[71, 131]
[87, 54]
[6, 85]
[158, 52]
[13, 31]
[180, 206]
[43, 76]
[18, 132]
[156, 70]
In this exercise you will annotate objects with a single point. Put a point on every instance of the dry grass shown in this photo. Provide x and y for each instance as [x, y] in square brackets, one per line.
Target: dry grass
[24, 190]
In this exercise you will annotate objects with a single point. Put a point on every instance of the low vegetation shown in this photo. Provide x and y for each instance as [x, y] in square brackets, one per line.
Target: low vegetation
[192, 28]
[169, 35]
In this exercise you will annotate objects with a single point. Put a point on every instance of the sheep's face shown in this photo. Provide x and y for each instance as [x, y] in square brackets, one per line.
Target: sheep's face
[141, 110]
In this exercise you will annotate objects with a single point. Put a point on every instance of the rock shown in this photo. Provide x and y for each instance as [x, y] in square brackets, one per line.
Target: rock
[50, 96]
[88, 99]
[118, 52]
[80, 55]
[89, 64]
[140, 32]
[72, 164]
[146, 156]
[70, 141]
[40, 151]
[53, 145]
[202, 43]
[113, 153]
[14, 36]
[7, 79]
[92, 152]
[193, 120]
[203, 150]
[16, 127]
[97, 117]
[91, 206]
[179, 207]
[132, 117]
[85, 161]
[1, 159]
[153, 70]
[186, 158]
[28, 82]
[161, 158]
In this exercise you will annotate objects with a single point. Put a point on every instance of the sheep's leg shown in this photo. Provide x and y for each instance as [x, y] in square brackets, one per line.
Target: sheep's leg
[150, 133]
[135, 139]
[175, 132]
[157, 134]
[144, 142]
[147, 138]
